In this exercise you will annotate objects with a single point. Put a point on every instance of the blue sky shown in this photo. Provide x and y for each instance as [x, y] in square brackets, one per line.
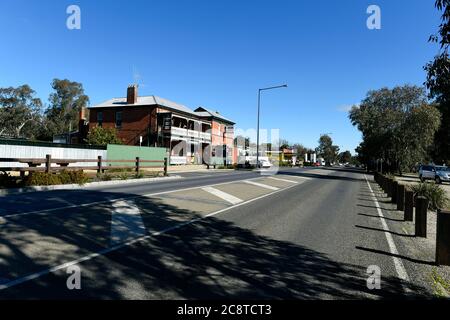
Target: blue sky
[217, 54]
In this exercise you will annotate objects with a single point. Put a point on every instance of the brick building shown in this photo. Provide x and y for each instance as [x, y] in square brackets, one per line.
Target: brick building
[192, 136]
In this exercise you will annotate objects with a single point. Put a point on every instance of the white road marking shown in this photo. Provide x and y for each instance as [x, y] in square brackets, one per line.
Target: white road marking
[125, 244]
[45, 211]
[126, 221]
[223, 195]
[285, 180]
[260, 185]
[398, 264]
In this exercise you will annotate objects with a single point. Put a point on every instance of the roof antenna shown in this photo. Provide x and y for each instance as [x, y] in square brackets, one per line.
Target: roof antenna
[137, 78]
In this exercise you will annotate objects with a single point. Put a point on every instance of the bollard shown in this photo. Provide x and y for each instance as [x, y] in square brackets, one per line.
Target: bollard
[421, 216]
[443, 238]
[400, 197]
[389, 187]
[409, 205]
[394, 191]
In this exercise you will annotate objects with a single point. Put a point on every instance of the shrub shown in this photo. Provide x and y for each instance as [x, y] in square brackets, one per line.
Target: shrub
[123, 176]
[7, 181]
[434, 193]
[104, 177]
[139, 175]
[42, 179]
[78, 177]
[48, 179]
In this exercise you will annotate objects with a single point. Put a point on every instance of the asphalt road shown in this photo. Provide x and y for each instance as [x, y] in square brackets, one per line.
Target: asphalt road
[301, 234]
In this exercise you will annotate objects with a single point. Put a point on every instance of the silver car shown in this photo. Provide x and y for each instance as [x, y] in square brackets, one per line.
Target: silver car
[442, 174]
[427, 172]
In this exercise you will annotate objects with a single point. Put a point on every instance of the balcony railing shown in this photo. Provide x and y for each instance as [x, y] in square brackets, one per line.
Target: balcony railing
[185, 133]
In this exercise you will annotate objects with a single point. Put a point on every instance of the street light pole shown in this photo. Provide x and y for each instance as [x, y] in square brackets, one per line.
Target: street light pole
[257, 125]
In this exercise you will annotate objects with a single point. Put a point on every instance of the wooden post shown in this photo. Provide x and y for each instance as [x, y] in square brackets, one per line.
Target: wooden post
[443, 238]
[389, 187]
[421, 216]
[394, 192]
[409, 205]
[400, 197]
[99, 164]
[137, 164]
[48, 163]
[165, 166]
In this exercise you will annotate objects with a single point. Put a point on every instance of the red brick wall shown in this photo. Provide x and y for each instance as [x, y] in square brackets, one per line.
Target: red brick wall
[135, 122]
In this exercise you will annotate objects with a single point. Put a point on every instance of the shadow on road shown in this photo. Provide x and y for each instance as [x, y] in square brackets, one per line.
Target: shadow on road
[310, 174]
[431, 263]
[208, 259]
[381, 230]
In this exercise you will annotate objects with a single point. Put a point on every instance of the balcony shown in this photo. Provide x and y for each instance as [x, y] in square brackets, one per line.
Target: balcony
[189, 134]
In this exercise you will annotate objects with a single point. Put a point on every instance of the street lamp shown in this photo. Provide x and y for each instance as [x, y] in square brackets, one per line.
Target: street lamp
[257, 129]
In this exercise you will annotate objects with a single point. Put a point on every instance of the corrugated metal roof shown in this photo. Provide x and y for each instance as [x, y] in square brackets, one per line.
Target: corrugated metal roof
[155, 100]
[143, 101]
[210, 113]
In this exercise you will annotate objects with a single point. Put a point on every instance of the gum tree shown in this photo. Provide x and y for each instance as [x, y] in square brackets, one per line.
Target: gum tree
[438, 82]
[398, 126]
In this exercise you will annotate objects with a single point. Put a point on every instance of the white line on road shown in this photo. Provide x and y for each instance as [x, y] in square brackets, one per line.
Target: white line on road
[223, 195]
[125, 244]
[285, 180]
[126, 221]
[260, 185]
[45, 211]
[399, 267]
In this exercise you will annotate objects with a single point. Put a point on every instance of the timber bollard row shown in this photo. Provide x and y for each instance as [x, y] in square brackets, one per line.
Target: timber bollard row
[405, 200]
[400, 197]
[421, 217]
[409, 205]
[443, 238]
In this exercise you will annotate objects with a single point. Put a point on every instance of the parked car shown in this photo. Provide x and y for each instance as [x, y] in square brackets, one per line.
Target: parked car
[264, 164]
[442, 174]
[427, 172]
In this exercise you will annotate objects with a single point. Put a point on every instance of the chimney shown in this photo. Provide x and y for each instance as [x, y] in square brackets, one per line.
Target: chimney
[132, 94]
[82, 114]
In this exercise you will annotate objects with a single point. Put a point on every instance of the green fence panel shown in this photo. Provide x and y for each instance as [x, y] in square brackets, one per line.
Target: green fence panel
[121, 152]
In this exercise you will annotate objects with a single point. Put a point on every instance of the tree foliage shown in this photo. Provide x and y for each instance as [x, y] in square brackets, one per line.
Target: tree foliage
[345, 157]
[398, 126]
[438, 82]
[327, 150]
[102, 136]
[65, 103]
[20, 112]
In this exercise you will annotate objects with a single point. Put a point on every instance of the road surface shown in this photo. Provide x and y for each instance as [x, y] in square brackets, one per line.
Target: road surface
[305, 233]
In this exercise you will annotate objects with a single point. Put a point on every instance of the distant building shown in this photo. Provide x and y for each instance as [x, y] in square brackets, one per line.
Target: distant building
[75, 136]
[187, 134]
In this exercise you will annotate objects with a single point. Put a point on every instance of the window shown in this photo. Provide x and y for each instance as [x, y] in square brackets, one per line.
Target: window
[118, 119]
[99, 118]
